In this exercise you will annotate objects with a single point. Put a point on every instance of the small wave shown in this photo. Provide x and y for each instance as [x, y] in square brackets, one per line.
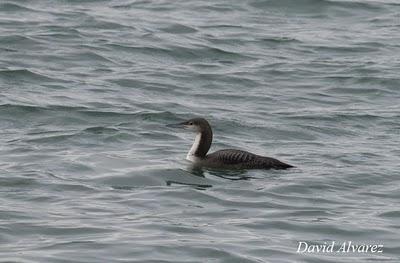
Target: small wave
[17, 181]
[103, 23]
[20, 108]
[13, 108]
[156, 116]
[60, 36]
[220, 53]
[90, 56]
[103, 113]
[358, 91]
[62, 29]
[358, 5]
[145, 4]
[27, 75]
[179, 29]
[224, 26]
[51, 138]
[108, 133]
[11, 41]
[280, 40]
[219, 7]
[346, 49]
[12, 7]
[183, 53]
[391, 214]
[316, 5]
[101, 130]
[333, 116]
[154, 177]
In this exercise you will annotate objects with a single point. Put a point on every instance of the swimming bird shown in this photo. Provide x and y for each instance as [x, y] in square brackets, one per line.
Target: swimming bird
[225, 159]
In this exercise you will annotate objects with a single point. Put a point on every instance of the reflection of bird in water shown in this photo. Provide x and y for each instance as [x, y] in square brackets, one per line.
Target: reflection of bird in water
[225, 159]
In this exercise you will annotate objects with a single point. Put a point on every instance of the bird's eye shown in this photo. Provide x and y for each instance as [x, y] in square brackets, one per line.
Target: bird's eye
[190, 123]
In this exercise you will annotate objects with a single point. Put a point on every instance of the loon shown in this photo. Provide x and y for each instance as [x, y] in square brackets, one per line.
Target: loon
[225, 159]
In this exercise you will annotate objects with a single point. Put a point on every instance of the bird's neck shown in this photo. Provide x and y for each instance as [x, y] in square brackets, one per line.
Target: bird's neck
[201, 145]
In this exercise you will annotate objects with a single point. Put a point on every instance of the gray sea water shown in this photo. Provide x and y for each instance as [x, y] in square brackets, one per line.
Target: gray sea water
[90, 173]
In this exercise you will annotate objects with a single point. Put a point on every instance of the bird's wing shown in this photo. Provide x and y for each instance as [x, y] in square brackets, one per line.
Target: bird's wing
[243, 159]
[231, 156]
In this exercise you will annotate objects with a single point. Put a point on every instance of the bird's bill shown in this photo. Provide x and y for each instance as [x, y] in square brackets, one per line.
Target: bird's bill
[177, 125]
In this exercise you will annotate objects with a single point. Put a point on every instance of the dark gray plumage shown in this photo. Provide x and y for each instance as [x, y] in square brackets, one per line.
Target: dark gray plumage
[225, 159]
[238, 159]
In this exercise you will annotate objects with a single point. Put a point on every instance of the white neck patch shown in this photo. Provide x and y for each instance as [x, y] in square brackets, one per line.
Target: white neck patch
[190, 156]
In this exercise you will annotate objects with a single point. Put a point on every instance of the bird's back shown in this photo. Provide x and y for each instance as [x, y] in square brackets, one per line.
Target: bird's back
[238, 159]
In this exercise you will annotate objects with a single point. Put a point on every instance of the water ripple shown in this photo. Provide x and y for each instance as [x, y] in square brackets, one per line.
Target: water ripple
[90, 173]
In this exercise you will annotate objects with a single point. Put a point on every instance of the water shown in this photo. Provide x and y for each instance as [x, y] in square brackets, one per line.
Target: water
[90, 173]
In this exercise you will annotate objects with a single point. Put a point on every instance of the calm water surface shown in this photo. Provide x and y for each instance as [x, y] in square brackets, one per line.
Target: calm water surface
[90, 173]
